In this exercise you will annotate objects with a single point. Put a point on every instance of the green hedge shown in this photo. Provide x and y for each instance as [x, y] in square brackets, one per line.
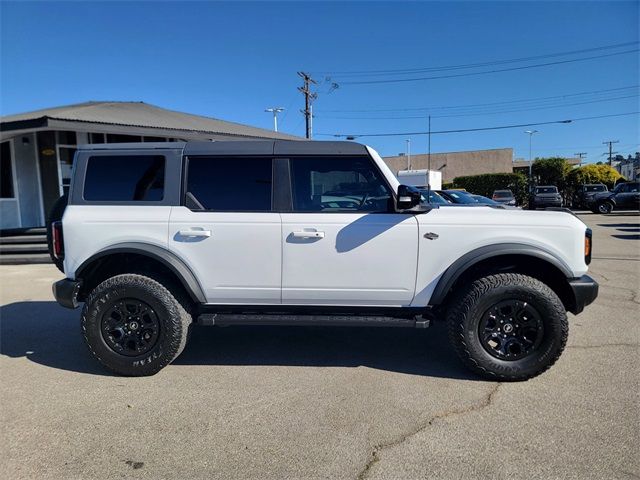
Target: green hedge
[487, 183]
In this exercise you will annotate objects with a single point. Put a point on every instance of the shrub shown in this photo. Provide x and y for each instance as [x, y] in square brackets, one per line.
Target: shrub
[487, 183]
[593, 174]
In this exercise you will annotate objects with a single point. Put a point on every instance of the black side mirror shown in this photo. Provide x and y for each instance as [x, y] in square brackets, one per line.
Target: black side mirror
[408, 197]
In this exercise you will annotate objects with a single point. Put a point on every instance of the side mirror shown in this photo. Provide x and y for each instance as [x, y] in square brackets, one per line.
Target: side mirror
[408, 197]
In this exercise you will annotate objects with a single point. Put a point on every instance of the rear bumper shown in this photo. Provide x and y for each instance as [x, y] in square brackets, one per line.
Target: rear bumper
[585, 291]
[65, 292]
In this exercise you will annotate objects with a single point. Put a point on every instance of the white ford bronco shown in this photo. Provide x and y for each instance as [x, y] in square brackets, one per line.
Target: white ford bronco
[158, 236]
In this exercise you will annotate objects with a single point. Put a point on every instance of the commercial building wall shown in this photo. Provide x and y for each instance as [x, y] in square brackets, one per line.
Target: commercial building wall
[458, 164]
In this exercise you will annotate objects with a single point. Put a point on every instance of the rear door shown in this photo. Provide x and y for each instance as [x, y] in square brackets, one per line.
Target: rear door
[227, 231]
[342, 242]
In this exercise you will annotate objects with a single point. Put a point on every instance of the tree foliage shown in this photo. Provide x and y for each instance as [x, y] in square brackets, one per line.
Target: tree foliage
[487, 183]
[593, 173]
[551, 171]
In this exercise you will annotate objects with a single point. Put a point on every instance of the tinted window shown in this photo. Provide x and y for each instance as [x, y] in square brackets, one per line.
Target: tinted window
[125, 178]
[349, 184]
[594, 188]
[231, 184]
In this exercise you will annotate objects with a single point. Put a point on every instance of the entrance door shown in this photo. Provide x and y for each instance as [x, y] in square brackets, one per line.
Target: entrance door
[343, 244]
[227, 232]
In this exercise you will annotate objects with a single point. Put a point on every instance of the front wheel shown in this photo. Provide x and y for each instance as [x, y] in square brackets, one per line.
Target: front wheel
[605, 207]
[508, 326]
[134, 326]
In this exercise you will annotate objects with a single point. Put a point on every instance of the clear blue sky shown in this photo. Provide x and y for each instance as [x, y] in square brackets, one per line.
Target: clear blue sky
[231, 60]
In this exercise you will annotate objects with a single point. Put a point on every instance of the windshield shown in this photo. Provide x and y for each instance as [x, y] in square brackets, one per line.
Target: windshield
[484, 200]
[457, 196]
[502, 194]
[546, 190]
[595, 188]
[433, 198]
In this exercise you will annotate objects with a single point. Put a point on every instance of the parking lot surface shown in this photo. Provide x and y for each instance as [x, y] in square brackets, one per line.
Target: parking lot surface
[270, 403]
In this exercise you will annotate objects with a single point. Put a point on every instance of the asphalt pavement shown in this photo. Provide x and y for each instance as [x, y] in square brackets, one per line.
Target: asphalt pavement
[339, 403]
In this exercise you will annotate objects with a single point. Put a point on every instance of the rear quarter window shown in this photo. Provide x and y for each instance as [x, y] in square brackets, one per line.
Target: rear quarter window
[125, 178]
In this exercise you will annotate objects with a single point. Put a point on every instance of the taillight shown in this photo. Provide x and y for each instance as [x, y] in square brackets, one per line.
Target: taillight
[57, 241]
[588, 245]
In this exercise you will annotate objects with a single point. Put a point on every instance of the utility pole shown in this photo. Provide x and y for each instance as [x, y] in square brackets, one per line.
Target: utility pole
[581, 155]
[309, 97]
[611, 152]
[531, 133]
[408, 153]
[275, 111]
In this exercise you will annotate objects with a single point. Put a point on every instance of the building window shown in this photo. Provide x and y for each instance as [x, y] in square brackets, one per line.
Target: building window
[6, 172]
[154, 139]
[118, 138]
[67, 138]
[125, 178]
[96, 138]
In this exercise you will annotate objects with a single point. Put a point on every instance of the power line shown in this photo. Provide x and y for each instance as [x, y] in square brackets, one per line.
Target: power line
[469, 114]
[504, 102]
[473, 65]
[468, 74]
[501, 127]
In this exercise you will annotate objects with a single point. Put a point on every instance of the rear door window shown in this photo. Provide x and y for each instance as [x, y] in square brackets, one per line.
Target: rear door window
[125, 178]
[229, 184]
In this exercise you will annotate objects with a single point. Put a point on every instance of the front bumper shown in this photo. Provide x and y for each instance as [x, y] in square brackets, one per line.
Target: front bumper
[585, 291]
[547, 203]
[65, 292]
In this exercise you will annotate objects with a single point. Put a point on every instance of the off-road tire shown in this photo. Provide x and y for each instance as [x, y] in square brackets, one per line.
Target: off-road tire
[55, 215]
[474, 300]
[604, 207]
[172, 313]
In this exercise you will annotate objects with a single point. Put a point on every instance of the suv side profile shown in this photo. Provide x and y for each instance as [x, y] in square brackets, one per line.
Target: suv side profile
[156, 237]
[623, 196]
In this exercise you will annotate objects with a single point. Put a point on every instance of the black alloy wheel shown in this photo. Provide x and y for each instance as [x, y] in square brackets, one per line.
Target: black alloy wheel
[511, 330]
[130, 327]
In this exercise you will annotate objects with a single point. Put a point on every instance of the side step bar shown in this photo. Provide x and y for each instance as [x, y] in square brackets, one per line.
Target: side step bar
[226, 319]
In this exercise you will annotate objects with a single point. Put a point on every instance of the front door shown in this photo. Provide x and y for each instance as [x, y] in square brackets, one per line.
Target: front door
[227, 232]
[343, 244]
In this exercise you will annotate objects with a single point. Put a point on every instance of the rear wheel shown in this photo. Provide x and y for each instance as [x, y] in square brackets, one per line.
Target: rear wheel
[134, 326]
[508, 326]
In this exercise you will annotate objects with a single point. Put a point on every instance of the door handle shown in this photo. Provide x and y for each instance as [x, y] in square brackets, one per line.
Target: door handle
[308, 234]
[194, 233]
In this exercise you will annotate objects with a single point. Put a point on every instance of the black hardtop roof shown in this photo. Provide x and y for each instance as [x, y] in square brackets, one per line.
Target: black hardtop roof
[274, 147]
[241, 147]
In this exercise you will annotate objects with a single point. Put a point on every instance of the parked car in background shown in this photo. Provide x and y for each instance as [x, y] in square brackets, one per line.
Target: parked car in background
[433, 197]
[458, 196]
[585, 195]
[625, 196]
[504, 196]
[545, 196]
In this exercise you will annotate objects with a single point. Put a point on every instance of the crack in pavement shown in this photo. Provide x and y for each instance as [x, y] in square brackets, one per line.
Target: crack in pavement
[374, 457]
